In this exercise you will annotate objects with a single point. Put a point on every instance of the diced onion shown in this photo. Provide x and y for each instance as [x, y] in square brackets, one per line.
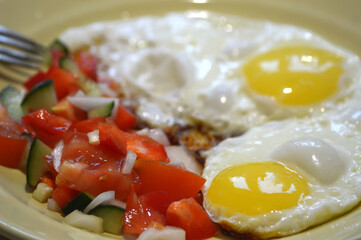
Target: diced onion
[166, 233]
[94, 137]
[53, 206]
[102, 198]
[57, 153]
[156, 134]
[88, 103]
[42, 192]
[80, 220]
[129, 162]
[178, 156]
[105, 89]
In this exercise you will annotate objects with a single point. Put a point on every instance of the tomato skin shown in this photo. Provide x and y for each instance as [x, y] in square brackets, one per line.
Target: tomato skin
[35, 79]
[124, 119]
[89, 125]
[111, 136]
[145, 147]
[87, 64]
[48, 180]
[67, 110]
[158, 201]
[63, 81]
[177, 183]
[63, 195]
[138, 216]
[190, 216]
[97, 179]
[12, 151]
[44, 121]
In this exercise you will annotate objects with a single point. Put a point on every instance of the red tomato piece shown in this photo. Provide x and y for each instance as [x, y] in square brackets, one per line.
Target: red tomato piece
[124, 119]
[12, 151]
[37, 78]
[177, 183]
[190, 216]
[87, 64]
[50, 163]
[8, 126]
[67, 110]
[56, 55]
[158, 201]
[44, 121]
[97, 179]
[48, 180]
[111, 136]
[88, 125]
[78, 149]
[144, 147]
[63, 81]
[63, 195]
[138, 217]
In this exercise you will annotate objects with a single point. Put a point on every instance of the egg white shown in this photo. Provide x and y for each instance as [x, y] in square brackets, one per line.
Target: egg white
[332, 191]
[183, 68]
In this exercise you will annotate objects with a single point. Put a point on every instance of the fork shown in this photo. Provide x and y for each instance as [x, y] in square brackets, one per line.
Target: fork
[19, 56]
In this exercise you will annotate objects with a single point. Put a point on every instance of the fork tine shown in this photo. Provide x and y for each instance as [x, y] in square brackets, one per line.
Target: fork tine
[20, 55]
[28, 44]
[17, 61]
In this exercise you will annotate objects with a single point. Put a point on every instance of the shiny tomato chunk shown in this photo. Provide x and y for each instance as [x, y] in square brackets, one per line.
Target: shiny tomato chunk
[139, 216]
[89, 125]
[37, 78]
[97, 179]
[112, 137]
[63, 195]
[190, 216]
[87, 64]
[177, 183]
[124, 119]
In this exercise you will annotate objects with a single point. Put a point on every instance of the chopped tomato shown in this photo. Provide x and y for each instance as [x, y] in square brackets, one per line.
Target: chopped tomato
[111, 136]
[78, 149]
[12, 145]
[138, 217]
[124, 119]
[63, 81]
[88, 125]
[48, 180]
[12, 151]
[97, 179]
[87, 64]
[50, 163]
[44, 121]
[177, 183]
[63, 195]
[67, 110]
[144, 147]
[190, 216]
[37, 78]
[158, 201]
[56, 55]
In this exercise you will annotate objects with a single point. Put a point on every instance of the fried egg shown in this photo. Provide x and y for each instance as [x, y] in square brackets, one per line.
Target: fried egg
[226, 72]
[283, 177]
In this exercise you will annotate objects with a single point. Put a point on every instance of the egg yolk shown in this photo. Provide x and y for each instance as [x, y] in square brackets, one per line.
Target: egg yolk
[294, 75]
[256, 188]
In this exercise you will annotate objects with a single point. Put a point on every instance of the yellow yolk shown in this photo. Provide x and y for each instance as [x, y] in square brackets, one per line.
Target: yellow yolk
[294, 75]
[256, 188]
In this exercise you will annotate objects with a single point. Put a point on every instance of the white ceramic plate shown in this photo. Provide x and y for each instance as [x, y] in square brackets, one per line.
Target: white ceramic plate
[338, 21]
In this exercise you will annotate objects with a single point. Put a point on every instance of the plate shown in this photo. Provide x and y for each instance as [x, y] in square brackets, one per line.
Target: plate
[338, 21]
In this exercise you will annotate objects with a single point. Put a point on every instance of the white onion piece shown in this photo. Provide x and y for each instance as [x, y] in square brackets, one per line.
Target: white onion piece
[57, 153]
[79, 93]
[89, 103]
[53, 206]
[118, 203]
[166, 233]
[129, 162]
[102, 198]
[94, 137]
[156, 134]
[178, 156]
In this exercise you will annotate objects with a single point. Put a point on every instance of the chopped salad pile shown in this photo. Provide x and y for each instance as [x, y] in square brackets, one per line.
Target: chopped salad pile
[84, 157]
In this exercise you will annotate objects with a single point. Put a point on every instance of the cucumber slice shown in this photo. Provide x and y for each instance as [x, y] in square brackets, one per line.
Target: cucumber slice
[59, 45]
[113, 217]
[36, 166]
[102, 111]
[24, 161]
[78, 203]
[11, 99]
[89, 86]
[41, 96]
